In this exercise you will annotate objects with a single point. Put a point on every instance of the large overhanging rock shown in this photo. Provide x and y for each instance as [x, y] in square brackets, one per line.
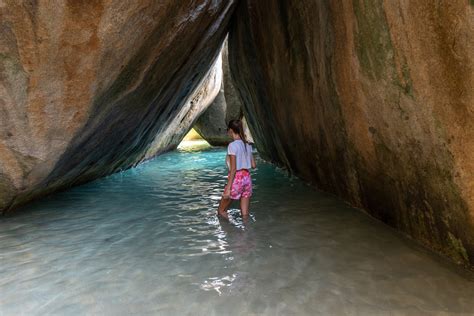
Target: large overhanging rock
[372, 100]
[87, 86]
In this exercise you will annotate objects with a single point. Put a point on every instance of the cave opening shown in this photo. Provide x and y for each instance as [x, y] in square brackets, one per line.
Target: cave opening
[193, 141]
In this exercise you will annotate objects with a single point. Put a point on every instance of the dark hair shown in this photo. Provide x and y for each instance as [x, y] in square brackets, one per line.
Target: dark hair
[237, 127]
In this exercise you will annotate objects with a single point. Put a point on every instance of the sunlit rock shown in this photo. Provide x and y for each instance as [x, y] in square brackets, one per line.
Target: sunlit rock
[87, 86]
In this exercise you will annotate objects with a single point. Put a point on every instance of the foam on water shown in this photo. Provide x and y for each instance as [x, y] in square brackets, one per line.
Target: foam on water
[147, 241]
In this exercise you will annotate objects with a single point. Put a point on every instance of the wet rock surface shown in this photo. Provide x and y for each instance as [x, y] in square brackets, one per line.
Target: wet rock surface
[371, 100]
[87, 86]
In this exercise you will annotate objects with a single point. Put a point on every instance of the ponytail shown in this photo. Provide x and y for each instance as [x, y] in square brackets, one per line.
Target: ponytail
[242, 132]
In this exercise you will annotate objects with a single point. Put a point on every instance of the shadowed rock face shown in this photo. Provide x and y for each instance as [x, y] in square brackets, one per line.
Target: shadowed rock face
[372, 100]
[87, 86]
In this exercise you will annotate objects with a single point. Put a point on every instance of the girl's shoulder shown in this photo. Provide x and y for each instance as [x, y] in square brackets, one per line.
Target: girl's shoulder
[232, 144]
[235, 143]
[232, 148]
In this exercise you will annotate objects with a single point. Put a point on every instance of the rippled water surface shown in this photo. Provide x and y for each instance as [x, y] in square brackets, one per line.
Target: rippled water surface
[147, 241]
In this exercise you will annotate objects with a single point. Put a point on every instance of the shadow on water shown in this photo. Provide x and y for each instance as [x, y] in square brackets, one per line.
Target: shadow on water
[148, 241]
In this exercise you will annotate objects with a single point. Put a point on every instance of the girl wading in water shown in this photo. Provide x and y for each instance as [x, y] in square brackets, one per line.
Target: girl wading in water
[239, 160]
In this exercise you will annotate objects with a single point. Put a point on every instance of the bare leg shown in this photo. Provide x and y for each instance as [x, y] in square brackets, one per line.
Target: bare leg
[223, 206]
[244, 206]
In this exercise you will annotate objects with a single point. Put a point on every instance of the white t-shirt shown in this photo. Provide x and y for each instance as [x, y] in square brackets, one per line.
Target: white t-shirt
[242, 153]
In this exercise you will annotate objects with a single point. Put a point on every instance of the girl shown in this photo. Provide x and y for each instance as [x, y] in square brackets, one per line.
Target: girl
[239, 160]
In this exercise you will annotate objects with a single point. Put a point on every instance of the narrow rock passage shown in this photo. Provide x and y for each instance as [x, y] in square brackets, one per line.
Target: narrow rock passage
[147, 241]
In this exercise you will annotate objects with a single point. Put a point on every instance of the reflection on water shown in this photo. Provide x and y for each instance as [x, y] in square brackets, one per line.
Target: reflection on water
[147, 241]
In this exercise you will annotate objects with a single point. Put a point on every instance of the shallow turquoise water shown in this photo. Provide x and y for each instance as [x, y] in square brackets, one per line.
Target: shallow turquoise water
[147, 241]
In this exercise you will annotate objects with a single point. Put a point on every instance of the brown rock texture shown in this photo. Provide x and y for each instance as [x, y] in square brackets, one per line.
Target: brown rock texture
[372, 100]
[87, 86]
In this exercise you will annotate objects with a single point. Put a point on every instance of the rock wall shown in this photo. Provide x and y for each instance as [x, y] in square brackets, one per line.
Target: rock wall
[87, 86]
[372, 100]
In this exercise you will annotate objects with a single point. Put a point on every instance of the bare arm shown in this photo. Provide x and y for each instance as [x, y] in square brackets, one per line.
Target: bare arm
[254, 164]
[230, 180]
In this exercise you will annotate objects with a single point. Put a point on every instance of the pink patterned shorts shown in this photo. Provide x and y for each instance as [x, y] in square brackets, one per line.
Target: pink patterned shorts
[242, 185]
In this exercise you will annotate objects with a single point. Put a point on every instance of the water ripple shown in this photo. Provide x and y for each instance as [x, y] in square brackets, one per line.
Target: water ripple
[148, 241]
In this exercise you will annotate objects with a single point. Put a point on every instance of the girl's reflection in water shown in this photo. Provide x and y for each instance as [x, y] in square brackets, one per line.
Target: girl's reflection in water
[240, 234]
